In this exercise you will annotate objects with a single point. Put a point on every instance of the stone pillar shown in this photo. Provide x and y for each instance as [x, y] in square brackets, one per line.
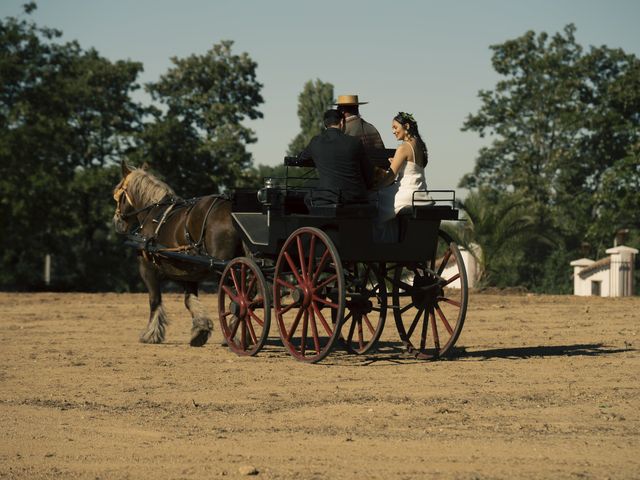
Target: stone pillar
[621, 272]
[581, 287]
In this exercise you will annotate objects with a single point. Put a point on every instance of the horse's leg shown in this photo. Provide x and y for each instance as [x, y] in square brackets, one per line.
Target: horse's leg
[154, 333]
[202, 326]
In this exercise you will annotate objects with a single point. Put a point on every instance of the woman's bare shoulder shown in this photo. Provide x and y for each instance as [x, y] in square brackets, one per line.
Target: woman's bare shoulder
[403, 149]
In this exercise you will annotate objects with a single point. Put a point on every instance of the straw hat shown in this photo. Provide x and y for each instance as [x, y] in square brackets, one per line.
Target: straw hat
[349, 100]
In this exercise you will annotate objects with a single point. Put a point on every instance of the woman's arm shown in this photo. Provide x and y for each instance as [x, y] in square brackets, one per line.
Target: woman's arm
[396, 162]
[401, 156]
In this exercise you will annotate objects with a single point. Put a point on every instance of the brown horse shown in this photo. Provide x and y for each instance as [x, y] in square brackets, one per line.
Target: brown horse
[201, 226]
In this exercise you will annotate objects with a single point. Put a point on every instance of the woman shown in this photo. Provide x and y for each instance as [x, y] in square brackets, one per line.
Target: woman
[407, 169]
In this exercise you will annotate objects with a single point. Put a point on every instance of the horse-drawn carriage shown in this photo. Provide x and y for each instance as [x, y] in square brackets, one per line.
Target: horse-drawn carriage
[318, 270]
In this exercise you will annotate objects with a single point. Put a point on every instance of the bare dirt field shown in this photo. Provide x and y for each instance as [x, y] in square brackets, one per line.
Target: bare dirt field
[541, 387]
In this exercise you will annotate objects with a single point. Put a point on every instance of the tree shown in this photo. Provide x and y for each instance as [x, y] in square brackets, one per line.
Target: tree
[64, 113]
[560, 119]
[496, 229]
[315, 98]
[196, 140]
[617, 201]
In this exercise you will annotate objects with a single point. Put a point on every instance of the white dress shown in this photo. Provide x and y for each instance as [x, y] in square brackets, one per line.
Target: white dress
[393, 198]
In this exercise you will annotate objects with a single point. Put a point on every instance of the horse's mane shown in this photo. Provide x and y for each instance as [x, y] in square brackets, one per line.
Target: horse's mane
[146, 188]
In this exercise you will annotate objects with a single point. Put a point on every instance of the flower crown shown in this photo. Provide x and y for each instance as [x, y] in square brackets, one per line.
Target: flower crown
[407, 117]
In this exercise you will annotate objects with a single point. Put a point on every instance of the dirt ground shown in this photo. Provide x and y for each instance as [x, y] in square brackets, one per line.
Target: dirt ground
[541, 387]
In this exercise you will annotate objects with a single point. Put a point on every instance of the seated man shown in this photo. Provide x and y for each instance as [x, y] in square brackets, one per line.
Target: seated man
[355, 125]
[344, 170]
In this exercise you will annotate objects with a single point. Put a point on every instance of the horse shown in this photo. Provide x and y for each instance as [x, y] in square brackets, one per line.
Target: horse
[148, 207]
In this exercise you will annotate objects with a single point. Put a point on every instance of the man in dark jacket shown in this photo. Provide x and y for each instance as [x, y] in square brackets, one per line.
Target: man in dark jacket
[344, 170]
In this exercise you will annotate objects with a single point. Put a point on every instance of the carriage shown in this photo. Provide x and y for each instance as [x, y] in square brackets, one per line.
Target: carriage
[318, 271]
[317, 268]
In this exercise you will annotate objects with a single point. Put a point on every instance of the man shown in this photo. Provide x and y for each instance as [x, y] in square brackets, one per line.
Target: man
[344, 170]
[355, 125]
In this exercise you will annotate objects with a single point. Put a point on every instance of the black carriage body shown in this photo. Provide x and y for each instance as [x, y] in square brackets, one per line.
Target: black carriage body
[331, 282]
[266, 226]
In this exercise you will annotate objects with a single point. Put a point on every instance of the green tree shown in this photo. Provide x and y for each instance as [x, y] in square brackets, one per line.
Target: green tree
[559, 120]
[64, 113]
[316, 97]
[496, 229]
[617, 200]
[196, 139]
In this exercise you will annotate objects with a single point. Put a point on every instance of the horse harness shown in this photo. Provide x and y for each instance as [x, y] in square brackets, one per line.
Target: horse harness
[173, 205]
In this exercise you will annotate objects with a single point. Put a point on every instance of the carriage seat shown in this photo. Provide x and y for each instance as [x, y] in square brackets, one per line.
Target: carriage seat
[339, 210]
[430, 212]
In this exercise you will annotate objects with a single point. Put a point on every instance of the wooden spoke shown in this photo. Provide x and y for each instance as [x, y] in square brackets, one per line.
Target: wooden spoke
[232, 296]
[443, 319]
[448, 300]
[444, 262]
[434, 329]
[324, 323]
[295, 324]
[312, 253]
[303, 264]
[294, 269]
[414, 324]
[314, 332]
[243, 278]
[368, 323]
[326, 282]
[303, 335]
[281, 282]
[325, 302]
[235, 281]
[423, 334]
[452, 279]
[256, 318]
[321, 265]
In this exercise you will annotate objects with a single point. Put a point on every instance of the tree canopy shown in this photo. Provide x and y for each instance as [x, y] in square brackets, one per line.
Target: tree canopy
[564, 125]
[196, 139]
[316, 97]
[68, 115]
[65, 113]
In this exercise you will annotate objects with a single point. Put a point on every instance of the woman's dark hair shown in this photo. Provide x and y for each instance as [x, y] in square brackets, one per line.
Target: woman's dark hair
[404, 118]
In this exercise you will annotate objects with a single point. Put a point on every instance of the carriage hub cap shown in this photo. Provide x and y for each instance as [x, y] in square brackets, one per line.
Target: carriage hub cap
[425, 289]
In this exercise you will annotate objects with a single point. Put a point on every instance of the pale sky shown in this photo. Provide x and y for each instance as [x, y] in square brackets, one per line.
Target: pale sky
[426, 57]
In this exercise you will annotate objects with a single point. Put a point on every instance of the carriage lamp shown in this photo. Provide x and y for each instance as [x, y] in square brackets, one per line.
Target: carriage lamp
[268, 194]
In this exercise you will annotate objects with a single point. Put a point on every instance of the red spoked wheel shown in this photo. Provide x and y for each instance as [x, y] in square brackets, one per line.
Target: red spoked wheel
[365, 308]
[243, 306]
[430, 301]
[309, 294]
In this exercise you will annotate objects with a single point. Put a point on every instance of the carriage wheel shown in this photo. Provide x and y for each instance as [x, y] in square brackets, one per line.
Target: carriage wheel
[431, 321]
[243, 306]
[366, 307]
[309, 294]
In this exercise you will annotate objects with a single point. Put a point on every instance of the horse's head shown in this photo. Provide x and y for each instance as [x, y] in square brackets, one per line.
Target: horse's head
[125, 206]
[135, 194]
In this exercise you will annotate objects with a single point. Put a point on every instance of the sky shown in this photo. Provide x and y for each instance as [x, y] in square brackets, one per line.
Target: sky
[429, 58]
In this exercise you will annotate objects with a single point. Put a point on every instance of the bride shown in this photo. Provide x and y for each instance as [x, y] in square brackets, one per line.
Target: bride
[405, 174]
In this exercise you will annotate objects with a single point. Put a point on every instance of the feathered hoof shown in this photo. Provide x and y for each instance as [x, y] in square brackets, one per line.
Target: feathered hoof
[151, 336]
[200, 332]
[199, 337]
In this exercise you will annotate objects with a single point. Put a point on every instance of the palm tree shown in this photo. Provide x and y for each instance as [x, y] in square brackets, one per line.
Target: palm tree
[495, 231]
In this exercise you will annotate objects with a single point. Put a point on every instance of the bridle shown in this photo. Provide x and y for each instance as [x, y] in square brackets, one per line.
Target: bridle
[117, 196]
